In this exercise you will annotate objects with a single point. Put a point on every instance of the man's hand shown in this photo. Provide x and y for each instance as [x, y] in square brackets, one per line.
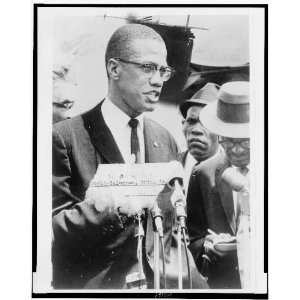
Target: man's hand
[133, 205]
[212, 239]
[107, 199]
[209, 248]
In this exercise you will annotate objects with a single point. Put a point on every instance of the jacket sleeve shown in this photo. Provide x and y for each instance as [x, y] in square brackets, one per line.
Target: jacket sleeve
[76, 222]
[196, 220]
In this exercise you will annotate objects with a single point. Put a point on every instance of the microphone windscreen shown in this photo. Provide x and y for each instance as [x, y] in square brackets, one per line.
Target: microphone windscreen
[234, 179]
[177, 195]
[175, 171]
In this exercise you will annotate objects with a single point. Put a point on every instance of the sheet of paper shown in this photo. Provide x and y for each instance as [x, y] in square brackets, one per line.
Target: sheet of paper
[136, 181]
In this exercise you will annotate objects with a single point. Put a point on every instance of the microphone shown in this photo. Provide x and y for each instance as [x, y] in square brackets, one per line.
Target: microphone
[157, 219]
[235, 180]
[175, 182]
[178, 200]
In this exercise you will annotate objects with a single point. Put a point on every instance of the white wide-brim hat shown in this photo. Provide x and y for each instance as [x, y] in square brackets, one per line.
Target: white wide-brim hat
[229, 115]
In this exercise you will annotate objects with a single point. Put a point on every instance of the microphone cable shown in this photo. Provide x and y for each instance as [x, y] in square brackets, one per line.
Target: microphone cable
[187, 256]
[163, 260]
[140, 235]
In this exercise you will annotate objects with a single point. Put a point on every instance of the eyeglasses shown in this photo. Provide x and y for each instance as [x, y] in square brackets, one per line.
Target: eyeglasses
[66, 104]
[229, 144]
[150, 69]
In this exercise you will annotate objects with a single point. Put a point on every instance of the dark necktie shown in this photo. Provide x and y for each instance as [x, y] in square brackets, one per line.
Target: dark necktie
[134, 141]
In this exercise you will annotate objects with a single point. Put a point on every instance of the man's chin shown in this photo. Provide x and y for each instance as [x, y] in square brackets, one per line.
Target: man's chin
[199, 156]
[150, 106]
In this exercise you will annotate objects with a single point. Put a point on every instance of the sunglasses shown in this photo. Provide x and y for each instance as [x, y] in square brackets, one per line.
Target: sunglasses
[229, 144]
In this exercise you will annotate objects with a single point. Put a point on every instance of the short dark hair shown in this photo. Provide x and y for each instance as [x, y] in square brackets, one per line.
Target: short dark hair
[119, 44]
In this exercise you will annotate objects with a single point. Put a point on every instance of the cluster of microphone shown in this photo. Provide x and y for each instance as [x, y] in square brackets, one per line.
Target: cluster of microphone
[178, 201]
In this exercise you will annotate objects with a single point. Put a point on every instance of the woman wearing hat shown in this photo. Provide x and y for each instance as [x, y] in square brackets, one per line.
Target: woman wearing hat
[218, 213]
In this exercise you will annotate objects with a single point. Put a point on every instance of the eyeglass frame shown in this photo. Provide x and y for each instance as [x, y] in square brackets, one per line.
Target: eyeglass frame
[234, 143]
[144, 65]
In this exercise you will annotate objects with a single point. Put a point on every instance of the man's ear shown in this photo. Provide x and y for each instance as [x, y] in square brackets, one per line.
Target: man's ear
[113, 69]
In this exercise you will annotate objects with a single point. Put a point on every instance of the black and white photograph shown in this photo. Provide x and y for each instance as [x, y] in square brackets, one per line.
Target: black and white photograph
[149, 119]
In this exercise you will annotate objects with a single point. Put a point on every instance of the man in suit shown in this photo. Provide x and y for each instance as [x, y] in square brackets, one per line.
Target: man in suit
[93, 248]
[213, 208]
[201, 143]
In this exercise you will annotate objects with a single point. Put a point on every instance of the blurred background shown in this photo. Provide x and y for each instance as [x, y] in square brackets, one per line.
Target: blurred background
[202, 48]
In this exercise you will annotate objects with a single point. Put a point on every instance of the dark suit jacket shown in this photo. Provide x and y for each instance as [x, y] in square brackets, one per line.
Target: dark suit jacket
[210, 205]
[92, 249]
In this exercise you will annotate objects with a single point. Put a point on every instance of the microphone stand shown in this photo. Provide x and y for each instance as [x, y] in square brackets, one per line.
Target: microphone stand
[138, 280]
[158, 240]
[181, 232]
[156, 261]
[179, 257]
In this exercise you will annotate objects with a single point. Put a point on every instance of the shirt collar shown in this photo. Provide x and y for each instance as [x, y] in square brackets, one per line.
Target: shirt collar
[109, 109]
[190, 160]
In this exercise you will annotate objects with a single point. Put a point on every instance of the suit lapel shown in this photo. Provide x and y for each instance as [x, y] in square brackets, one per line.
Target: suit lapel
[101, 136]
[152, 143]
[226, 197]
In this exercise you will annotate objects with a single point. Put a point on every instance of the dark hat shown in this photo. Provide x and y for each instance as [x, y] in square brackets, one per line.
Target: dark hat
[229, 116]
[205, 95]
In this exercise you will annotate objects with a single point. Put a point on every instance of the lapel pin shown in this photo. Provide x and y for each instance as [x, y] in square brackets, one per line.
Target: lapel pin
[155, 144]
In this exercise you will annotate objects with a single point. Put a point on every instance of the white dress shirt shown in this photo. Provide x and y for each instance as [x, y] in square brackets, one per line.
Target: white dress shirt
[190, 162]
[117, 122]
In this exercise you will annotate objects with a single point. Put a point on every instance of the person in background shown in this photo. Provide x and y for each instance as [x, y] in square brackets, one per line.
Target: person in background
[201, 143]
[218, 205]
[64, 93]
